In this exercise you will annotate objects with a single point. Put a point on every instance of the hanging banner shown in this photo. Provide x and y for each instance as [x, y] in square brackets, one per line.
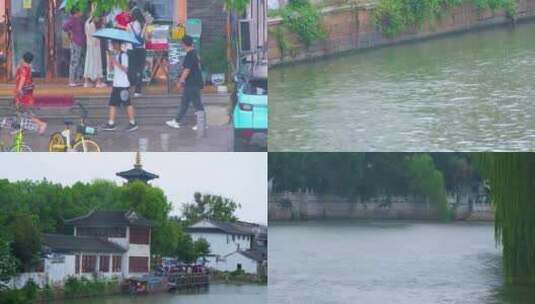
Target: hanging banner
[26, 4]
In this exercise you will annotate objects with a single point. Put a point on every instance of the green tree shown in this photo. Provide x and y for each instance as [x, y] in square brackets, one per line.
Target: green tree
[26, 243]
[8, 263]
[209, 206]
[237, 5]
[427, 181]
[101, 6]
[185, 250]
[511, 177]
[201, 248]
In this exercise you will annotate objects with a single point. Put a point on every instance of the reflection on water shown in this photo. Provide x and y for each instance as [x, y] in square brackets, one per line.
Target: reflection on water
[387, 262]
[217, 294]
[466, 92]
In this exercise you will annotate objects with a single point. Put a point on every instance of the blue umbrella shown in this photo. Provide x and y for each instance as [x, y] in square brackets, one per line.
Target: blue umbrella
[63, 4]
[116, 34]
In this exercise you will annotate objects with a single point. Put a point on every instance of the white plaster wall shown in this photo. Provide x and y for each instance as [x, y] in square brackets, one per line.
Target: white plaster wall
[59, 272]
[221, 243]
[231, 263]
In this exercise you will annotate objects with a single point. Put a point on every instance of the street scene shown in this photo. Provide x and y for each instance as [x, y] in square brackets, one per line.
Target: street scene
[120, 229]
[167, 75]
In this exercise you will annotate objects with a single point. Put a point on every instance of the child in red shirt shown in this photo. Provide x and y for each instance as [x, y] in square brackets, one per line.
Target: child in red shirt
[24, 89]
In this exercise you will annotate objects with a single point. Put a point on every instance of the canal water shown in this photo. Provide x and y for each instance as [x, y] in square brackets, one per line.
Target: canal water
[466, 92]
[218, 293]
[387, 262]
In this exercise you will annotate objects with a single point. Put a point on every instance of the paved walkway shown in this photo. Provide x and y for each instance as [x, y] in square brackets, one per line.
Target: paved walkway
[153, 134]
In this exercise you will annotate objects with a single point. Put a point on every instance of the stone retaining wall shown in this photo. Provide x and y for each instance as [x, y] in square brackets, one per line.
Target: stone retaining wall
[289, 206]
[350, 28]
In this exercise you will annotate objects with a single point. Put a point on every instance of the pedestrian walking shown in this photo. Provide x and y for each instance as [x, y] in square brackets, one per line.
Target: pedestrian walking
[93, 55]
[137, 53]
[74, 26]
[120, 95]
[192, 83]
[24, 87]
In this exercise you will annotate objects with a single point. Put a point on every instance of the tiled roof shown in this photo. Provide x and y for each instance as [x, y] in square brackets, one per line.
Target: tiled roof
[70, 243]
[241, 228]
[109, 218]
[137, 173]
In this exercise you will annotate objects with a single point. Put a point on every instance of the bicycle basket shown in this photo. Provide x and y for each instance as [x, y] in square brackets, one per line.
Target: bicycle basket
[85, 130]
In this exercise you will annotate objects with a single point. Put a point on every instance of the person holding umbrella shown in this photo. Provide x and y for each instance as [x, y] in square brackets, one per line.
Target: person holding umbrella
[120, 95]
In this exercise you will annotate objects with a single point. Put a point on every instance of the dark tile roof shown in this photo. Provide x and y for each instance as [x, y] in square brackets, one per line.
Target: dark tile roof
[70, 243]
[137, 173]
[240, 228]
[253, 255]
[109, 218]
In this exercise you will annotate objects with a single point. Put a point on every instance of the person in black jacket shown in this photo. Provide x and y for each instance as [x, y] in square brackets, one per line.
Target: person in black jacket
[192, 83]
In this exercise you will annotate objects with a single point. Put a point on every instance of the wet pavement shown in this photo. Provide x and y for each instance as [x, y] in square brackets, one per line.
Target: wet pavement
[152, 135]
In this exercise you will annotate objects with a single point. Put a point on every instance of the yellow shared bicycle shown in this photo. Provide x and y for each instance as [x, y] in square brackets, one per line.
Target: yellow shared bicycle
[64, 141]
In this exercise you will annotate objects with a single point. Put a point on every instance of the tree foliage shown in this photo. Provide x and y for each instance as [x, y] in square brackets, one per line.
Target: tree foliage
[8, 263]
[364, 175]
[100, 6]
[512, 182]
[209, 206]
[392, 17]
[29, 208]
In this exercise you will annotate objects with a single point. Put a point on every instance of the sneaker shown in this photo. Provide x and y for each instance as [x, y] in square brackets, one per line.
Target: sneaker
[101, 85]
[173, 124]
[137, 95]
[131, 127]
[195, 128]
[88, 85]
[73, 84]
[109, 127]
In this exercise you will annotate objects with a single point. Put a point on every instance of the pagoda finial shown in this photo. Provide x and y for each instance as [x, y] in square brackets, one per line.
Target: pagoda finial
[138, 160]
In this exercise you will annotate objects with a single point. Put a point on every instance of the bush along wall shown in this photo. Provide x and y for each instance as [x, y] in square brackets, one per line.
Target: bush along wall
[303, 19]
[392, 17]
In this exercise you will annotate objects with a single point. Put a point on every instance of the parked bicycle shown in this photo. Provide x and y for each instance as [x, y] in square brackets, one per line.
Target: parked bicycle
[17, 124]
[64, 141]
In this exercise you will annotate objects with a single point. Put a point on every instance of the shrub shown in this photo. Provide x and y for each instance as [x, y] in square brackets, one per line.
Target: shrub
[304, 19]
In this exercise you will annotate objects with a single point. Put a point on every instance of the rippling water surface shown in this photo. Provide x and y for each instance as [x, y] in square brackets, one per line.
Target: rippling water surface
[217, 294]
[469, 92]
[387, 262]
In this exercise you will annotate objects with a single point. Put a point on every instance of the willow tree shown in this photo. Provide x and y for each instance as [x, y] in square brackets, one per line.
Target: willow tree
[511, 177]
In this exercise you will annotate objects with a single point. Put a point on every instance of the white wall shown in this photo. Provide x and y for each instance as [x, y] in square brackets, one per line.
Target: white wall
[221, 243]
[231, 262]
[58, 271]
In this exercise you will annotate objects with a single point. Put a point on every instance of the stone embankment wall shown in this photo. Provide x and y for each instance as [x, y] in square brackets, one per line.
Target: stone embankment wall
[350, 27]
[290, 206]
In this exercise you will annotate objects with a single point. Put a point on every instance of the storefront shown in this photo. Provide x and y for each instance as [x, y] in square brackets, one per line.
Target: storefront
[35, 26]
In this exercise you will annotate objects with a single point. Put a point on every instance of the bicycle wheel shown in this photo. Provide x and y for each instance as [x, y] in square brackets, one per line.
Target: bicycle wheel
[90, 146]
[57, 143]
[22, 148]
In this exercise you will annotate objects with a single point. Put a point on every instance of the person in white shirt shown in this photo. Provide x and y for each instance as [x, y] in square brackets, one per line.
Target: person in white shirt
[120, 94]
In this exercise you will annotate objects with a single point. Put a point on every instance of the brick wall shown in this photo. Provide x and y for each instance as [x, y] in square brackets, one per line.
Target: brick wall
[213, 19]
[350, 28]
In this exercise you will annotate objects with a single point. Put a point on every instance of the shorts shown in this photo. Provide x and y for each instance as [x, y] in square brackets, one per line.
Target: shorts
[120, 96]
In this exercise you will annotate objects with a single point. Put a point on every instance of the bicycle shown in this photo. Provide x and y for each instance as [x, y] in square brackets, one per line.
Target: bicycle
[19, 123]
[63, 141]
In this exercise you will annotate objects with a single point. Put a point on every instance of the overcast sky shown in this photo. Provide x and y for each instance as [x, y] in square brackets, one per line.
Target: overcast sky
[240, 176]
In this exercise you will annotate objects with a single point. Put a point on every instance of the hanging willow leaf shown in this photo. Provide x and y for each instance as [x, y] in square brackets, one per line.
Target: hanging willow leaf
[512, 181]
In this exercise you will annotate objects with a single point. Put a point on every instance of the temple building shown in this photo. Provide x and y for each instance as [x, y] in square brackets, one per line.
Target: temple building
[104, 244]
[137, 173]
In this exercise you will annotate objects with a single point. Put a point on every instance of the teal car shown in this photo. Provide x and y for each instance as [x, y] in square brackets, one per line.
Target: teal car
[250, 113]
